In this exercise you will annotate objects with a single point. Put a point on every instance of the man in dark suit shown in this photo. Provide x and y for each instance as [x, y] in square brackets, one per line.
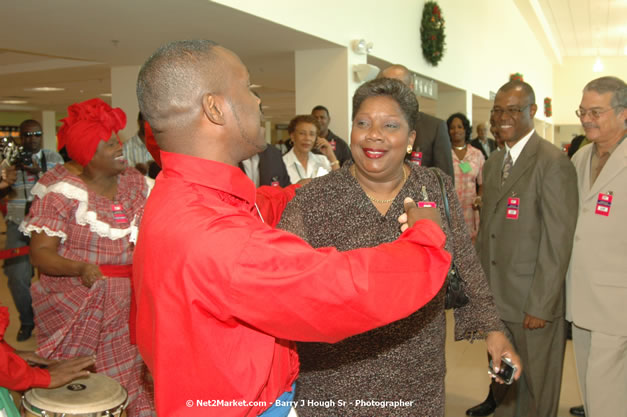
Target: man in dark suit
[525, 237]
[340, 147]
[483, 142]
[432, 146]
[266, 168]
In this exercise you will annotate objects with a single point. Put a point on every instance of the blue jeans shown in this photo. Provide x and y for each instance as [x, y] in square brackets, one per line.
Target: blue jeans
[281, 410]
[20, 272]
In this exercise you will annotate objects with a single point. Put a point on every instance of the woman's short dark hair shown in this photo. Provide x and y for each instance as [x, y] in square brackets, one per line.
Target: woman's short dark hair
[303, 118]
[465, 123]
[392, 88]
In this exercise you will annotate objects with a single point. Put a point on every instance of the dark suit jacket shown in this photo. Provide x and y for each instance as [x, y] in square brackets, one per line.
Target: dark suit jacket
[477, 144]
[271, 167]
[433, 141]
[526, 259]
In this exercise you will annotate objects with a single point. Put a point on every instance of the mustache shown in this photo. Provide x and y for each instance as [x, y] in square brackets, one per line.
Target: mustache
[589, 125]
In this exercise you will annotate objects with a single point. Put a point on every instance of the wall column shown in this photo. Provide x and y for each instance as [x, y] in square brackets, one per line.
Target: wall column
[325, 76]
[123, 95]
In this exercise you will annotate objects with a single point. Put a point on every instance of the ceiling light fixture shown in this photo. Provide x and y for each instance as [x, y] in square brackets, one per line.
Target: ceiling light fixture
[598, 65]
[44, 89]
[255, 86]
[106, 95]
[13, 101]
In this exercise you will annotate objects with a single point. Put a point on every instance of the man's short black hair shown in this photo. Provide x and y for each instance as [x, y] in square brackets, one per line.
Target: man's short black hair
[320, 107]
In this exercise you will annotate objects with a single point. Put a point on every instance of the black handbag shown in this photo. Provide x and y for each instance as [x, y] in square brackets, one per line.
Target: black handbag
[455, 295]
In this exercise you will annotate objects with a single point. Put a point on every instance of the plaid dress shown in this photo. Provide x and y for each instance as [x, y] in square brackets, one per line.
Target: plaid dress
[74, 320]
[466, 186]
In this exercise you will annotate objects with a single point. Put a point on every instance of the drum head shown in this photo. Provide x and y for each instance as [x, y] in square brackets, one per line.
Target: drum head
[93, 394]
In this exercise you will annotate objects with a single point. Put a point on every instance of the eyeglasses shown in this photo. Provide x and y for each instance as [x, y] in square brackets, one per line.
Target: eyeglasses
[593, 113]
[37, 133]
[510, 111]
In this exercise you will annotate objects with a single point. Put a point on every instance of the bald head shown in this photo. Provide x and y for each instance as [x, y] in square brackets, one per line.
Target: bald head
[398, 72]
[172, 81]
[521, 86]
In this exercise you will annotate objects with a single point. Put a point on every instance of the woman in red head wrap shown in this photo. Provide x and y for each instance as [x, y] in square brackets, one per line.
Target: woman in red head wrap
[81, 229]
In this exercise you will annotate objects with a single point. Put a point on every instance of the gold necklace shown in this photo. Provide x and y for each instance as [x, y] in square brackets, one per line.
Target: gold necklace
[376, 200]
[460, 148]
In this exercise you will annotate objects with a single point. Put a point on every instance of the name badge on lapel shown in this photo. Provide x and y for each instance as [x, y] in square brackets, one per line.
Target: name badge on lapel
[118, 213]
[416, 158]
[604, 204]
[275, 182]
[513, 207]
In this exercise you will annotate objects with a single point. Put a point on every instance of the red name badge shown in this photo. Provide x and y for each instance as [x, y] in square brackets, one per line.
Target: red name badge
[427, 204]
[513, 205]
[416, 158]
[333, 143]
[275, 183]
[118, 213]
[604, 204]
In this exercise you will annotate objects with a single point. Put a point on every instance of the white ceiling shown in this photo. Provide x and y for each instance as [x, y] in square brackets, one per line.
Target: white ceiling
[587, 27]
[73, 44]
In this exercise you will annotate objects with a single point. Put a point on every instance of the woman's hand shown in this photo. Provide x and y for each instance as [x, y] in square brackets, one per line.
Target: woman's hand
[476, 205]
[90, 273]
[499, 346]
[325, 147]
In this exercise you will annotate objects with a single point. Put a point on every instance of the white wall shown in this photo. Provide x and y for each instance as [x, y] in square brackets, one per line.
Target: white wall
[570, 79]
[486, 40]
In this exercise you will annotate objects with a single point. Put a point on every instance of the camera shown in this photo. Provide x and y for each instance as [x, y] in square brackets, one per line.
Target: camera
[506, 372]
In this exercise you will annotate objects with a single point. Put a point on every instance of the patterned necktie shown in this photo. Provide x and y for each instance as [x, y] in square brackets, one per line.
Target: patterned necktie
[507, 167]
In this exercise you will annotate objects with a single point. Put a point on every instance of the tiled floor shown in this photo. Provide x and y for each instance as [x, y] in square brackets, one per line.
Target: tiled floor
[466, 382]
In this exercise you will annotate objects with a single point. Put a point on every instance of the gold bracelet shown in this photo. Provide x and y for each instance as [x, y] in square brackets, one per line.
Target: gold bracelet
[336, 162]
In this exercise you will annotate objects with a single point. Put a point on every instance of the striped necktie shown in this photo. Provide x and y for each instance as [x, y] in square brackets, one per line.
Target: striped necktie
[507, 167]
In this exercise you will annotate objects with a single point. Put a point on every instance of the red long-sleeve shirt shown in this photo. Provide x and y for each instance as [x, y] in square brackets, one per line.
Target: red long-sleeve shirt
[221, 294]
[15, 373]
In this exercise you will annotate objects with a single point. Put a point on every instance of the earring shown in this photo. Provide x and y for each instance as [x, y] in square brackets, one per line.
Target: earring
[409, 148]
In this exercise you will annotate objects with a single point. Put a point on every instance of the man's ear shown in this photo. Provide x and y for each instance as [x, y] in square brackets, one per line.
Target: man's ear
[212, 106]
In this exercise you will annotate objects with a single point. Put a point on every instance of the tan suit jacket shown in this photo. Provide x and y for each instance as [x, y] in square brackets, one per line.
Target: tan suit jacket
[597, 276]
[526, 259]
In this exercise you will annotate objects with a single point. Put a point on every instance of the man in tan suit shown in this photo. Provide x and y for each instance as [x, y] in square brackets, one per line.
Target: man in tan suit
[597, 277]
[524, 243]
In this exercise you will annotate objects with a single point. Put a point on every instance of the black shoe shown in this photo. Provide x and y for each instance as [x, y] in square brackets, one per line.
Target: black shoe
[484, 409]
[578, 411]
[24, 333]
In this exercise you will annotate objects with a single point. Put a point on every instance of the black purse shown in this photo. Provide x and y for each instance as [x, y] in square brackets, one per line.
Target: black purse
[455, 295]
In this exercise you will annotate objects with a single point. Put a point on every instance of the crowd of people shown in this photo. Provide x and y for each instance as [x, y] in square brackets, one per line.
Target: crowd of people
[262, 279]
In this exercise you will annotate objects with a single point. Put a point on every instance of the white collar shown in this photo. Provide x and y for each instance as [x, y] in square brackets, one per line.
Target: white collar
[516, 150]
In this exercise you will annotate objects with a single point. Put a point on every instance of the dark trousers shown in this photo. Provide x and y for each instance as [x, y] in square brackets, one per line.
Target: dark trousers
[537, 392]
[19, 271]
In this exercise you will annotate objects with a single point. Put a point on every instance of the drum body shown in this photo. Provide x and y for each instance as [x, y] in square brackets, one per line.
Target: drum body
[94, 396]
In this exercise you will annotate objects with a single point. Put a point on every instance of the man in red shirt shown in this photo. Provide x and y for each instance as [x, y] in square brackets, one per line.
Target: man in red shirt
[221, 295]
[18, 375]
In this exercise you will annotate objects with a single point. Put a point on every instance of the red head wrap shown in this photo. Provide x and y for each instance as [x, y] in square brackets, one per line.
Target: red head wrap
[87, 124]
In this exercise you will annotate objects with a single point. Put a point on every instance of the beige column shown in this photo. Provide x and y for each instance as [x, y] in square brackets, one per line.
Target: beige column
[449, 102]
[48, 125]
[123, 82]
[326, 77]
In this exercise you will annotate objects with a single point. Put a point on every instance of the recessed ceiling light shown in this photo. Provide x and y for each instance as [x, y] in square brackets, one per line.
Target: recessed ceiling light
[106, 94]
[13, 101]
[265, 107]
[255, 86]
[45, 89]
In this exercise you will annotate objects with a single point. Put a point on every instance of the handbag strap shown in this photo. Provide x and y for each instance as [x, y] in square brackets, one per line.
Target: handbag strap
[444, 195]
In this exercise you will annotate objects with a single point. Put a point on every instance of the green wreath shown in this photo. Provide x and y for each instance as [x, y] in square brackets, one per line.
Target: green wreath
[432, 33]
